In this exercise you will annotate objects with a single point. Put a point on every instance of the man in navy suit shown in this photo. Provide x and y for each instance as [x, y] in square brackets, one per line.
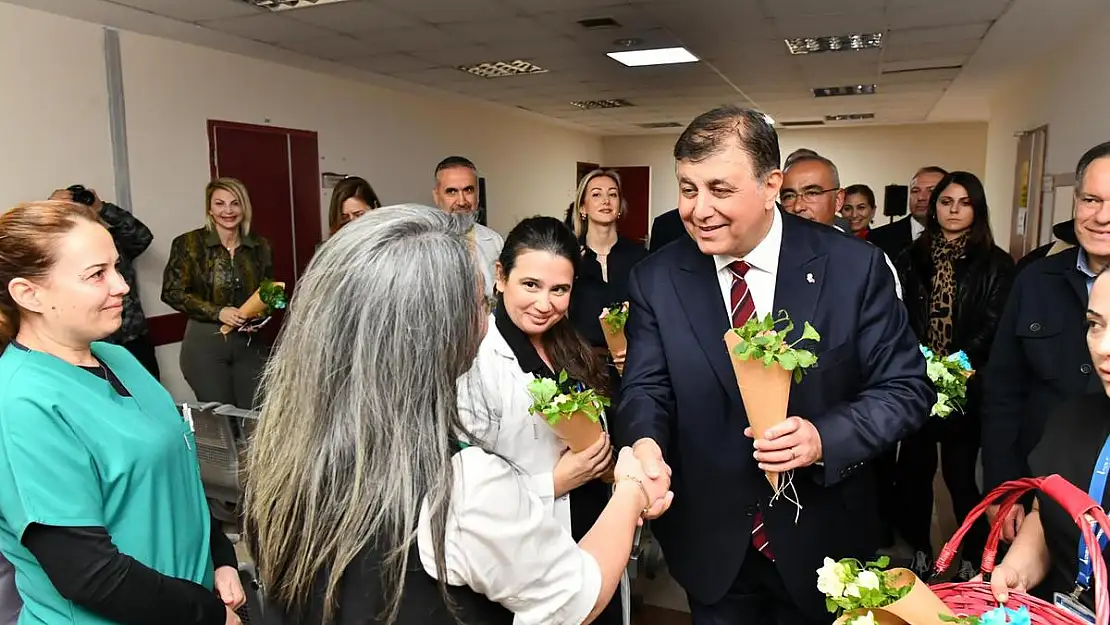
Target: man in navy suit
[682, 411]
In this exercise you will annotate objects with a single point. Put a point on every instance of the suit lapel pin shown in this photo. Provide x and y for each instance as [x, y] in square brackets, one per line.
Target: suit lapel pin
[809, 278]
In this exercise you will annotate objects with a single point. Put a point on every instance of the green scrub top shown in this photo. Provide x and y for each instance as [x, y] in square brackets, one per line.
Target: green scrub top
[74, 452]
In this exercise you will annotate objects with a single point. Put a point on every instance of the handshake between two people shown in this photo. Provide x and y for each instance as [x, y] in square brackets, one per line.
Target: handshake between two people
[792, 444]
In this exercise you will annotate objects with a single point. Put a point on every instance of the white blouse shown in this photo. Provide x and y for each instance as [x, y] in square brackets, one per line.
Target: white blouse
[494, 406]
[503, 543]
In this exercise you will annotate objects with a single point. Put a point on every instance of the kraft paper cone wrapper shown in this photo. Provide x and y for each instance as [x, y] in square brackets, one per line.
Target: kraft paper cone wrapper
[252, 308]
[615, 340]
[765, 391]
[578, 432]
[881, 617]
[921, 606]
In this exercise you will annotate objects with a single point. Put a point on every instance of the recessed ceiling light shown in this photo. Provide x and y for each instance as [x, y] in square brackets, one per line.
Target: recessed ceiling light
[500, 69]
[658, 56]
[849, 117]
[828, 92]
[285, 5]
[601, 104]
[598, 23]
[837, 43]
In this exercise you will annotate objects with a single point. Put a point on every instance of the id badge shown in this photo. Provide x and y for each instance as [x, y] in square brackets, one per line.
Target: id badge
[1071, 604]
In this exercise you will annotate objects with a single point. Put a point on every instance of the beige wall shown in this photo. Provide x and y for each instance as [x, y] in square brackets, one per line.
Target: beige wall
[1068, 93]
[872, 155]
[54, 130]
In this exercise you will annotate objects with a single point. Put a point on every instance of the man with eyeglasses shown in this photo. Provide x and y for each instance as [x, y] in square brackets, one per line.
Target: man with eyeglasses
[1039, 358]
[811, 189]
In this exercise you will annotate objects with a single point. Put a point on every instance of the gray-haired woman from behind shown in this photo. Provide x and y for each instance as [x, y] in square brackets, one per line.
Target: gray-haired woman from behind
[362, 506]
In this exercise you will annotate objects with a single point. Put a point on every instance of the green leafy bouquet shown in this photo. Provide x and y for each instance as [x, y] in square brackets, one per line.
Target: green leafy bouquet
[559, 399]
[851, 585]
[614, 317]
[765, 340]
[949, 375]
[269, 297]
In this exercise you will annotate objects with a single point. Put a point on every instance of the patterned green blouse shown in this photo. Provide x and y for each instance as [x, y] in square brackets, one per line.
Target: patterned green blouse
[201, 277]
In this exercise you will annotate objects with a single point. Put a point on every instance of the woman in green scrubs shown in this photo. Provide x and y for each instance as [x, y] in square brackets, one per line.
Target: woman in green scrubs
[102, 510]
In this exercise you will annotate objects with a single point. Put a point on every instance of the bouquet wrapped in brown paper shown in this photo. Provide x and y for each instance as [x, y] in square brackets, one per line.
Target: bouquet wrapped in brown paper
[573, 411]
[763, 362]
[612, 325]
[865, 594]
[269, 297]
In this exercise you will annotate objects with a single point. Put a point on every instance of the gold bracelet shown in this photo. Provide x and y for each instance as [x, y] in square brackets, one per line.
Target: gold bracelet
[647, 497]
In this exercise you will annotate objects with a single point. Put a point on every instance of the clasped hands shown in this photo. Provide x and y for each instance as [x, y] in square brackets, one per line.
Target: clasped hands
[792, 444]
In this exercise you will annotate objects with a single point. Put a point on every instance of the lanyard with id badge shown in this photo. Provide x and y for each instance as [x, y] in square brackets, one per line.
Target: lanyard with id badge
[1096, 490]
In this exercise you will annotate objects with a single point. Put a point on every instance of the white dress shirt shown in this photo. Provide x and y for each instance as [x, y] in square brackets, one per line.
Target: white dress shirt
[915, 228]
[502, 543]
[488, 244]
[494, 407]
[761, 277]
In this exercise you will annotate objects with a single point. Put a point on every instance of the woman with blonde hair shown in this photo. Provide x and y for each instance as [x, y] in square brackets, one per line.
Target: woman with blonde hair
[607, 258]
[351, 198]
[362, 503]
[211, 271]
[102, 511]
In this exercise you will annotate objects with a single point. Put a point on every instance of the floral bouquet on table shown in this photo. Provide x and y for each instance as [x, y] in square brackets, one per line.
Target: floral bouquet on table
[612, 320]
[763, 362]
[949, 375]
[868, 594]
[269, 297]
[572, 410]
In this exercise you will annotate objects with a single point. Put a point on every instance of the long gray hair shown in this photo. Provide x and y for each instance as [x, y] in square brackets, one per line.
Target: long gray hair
[359, 408]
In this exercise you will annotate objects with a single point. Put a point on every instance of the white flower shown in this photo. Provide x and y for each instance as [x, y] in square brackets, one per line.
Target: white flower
[868, 580]
[829, 579]
[559, 399]
[863, 619]
[851, 590]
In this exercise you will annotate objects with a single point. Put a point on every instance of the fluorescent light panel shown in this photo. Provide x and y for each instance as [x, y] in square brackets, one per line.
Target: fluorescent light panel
[849, 117]
[836, 43]
[501, 69]
[601, 104]
[658, 56]
[286, 5]
[828, 92]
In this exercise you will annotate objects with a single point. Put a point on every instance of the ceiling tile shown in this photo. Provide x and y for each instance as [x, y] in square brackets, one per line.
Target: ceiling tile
[353, 17]
[928, 13]
[799, 8]
[498, 30]
[391, 64]
[533, 7]
[409, 39]
[448, 11]
[960, 32]
[632, 19]
[333, 47]
[792, 26]
[898, 52]
[943, 61]
[924, 75]
[195, 10]
[269, 27]
[454, 56]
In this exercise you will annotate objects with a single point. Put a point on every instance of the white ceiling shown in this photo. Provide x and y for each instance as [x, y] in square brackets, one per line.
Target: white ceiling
[744, 60]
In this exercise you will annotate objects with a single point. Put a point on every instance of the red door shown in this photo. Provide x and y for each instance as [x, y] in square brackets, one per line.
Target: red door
[280, 168]
[636, 188]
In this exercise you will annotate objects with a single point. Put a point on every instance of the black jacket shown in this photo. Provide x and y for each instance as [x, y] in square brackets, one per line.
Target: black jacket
[666, 228]
[1065, 236]
[1039, 360]
[983, 282]
[893, 238]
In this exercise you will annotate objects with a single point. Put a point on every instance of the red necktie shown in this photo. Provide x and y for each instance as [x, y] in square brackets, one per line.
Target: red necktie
[743, 309]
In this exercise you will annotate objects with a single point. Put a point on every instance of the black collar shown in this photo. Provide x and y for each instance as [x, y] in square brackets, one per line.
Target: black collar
[526, 355]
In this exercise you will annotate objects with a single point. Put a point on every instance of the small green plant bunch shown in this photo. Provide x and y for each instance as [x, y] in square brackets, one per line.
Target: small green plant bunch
[615, 316]
[560, 399]
[273, 296]
[765, 339]
[949, 374]
[851, 585]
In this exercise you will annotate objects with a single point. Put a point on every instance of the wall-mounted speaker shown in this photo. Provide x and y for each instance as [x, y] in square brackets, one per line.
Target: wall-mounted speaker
[895, 200]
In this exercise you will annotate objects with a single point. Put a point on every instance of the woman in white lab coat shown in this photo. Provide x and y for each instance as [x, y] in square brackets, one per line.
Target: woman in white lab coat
[530, 336]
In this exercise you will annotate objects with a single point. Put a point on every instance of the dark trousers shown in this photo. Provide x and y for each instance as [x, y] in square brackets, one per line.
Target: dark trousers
[142, 349]
[959, 437]
[758, 596]
[224, 369]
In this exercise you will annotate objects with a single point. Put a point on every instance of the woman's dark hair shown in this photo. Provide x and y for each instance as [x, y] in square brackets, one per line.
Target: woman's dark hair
[564, 346]
[979, 237]
[345, 189]
[861, 189]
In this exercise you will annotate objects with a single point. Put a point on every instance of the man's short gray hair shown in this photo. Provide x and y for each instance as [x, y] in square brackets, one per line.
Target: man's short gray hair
[816, 158]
